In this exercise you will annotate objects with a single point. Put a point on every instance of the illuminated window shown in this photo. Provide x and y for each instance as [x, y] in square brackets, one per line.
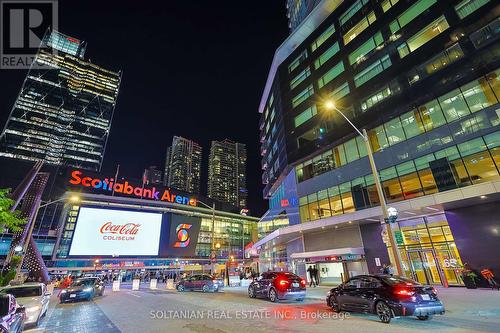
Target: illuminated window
[423, 36]
[300, 77]
[376, 98]
[340, 92]
[373, 70]
[387, 4]
[361, 52]
[331, 74]
[326, 55]
[467, 7]
[359, 27]
[295, 63]
[351, 11]
[305, 115]
[323, 37]
[303, 95]
[410, 14]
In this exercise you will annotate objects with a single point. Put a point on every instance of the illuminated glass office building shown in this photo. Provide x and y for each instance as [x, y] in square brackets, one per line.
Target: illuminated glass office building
[64, 110]
[423, 78]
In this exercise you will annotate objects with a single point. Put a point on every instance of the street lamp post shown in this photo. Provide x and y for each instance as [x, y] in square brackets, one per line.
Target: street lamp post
[395, 253]
[32, 226]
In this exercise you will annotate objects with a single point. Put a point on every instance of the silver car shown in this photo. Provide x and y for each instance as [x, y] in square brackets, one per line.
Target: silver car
[33, 297]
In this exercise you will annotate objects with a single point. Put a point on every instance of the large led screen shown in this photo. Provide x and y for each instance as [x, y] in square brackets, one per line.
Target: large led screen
[110, 232]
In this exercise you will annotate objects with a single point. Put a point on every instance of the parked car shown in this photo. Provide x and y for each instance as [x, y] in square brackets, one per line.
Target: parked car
[278, 285]
[386, 296]
[33, 297]
[82, 289]
[12, 315]
[203, 282]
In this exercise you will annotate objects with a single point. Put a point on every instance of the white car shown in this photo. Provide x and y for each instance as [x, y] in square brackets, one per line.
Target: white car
[33, 296]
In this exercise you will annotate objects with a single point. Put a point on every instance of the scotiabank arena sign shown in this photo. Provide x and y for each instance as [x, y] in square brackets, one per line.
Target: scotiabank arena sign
[80, 179]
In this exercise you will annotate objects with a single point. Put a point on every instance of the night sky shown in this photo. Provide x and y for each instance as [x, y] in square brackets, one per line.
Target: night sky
[190, 68]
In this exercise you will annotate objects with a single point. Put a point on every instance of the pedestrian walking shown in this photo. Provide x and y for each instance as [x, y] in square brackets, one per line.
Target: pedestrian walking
[316, 276]
[310, 271]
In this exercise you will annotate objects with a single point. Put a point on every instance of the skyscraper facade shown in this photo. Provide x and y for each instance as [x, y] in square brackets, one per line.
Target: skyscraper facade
[297, 11]
[64, 110]
[423, 79]
[227, 173]
[183, 165]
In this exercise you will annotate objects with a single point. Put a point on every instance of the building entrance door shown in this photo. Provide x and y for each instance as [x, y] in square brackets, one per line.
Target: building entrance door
[424, 266]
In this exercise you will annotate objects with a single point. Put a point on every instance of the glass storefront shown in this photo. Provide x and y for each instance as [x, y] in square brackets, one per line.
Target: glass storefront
[428, 251]
[471, 162]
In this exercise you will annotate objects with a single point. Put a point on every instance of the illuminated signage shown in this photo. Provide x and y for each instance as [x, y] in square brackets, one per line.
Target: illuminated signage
[292, 202]
[182, 231]
[111, 232]
[78, 178]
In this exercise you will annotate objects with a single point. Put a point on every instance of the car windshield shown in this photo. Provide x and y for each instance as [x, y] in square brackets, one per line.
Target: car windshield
[394, 280]
[83, 282]
[23, 291]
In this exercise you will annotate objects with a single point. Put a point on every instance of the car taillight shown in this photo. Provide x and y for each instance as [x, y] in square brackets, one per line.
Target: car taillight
[404, 292]
[282, 283]
[303, 282]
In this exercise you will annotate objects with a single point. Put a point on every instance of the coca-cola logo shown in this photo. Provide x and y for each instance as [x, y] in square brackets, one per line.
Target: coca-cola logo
[120, 229]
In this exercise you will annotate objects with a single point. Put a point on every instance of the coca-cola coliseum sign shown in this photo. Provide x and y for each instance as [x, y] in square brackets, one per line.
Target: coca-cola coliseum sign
[123, 232]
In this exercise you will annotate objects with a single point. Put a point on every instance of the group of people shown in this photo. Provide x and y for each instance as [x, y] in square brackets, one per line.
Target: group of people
[313, 276]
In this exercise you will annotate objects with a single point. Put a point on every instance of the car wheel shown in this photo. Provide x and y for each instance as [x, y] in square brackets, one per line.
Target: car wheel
[427, 317]
[335, 306]
[383, 312]
[251, 292]
[205, 288]
[273, 297]
[180, 288]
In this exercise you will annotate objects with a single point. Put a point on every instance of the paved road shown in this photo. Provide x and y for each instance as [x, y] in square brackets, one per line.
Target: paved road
[232, 311]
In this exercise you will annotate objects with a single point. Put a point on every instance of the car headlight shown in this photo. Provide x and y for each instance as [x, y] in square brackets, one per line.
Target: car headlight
[33, 308]
[87, 289]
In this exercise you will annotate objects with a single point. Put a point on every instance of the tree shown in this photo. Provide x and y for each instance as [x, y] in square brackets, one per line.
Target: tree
[9, 219]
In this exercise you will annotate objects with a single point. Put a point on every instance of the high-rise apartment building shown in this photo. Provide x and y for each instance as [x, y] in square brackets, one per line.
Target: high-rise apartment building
[227, 173]
[423, 79]
[183, 165]
[152, 176]
[64, 110]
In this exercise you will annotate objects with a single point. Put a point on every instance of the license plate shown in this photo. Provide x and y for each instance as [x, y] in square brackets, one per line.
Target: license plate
[426, 297]
[295, 285]
[72, 295]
